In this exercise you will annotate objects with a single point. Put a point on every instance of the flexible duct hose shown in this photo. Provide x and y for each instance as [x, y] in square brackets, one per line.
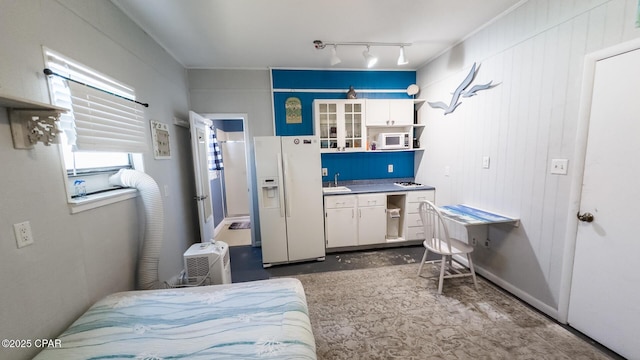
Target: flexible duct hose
[154, 226]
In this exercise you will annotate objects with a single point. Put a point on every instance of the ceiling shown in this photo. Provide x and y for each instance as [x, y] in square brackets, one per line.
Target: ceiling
[258, 34]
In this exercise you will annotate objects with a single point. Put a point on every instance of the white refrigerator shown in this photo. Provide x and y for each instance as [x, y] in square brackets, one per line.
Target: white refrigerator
[289, 175]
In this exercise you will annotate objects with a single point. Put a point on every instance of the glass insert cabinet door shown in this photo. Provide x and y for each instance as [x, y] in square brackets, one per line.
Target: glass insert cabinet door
[339, 124]
[353, 125]
[327, 118]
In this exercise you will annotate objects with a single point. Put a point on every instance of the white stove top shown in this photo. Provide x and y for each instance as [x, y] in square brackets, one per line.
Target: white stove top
[407, 184]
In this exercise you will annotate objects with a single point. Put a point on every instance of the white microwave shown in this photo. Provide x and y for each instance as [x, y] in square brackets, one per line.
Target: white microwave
[390, 141]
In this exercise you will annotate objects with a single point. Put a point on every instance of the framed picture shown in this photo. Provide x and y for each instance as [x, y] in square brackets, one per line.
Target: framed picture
[160, 140]
[293, 110]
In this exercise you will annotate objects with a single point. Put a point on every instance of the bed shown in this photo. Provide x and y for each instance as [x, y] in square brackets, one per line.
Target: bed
[253, 320]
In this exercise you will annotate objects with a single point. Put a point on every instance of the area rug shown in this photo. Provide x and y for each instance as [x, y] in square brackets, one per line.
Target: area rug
[240, 225]
[390, 313]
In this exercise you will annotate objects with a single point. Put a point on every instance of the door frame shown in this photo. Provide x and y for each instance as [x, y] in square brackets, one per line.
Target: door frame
[249, 160]
[579, 156]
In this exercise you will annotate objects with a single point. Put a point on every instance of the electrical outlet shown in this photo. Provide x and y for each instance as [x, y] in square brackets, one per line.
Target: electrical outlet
[325, 172]
[559, 166]
[23, 234]
[474, 241]
[486, 243]
[390, 168]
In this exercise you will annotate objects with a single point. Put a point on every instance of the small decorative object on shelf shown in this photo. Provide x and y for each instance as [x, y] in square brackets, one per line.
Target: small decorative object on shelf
[31, 121]
[351, 94]
[29, 127]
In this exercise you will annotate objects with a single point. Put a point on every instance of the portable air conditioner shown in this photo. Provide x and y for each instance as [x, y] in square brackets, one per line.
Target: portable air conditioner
[208, 263]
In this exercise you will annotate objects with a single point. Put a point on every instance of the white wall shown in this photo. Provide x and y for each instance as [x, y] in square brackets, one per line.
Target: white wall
[77, 259]
[536, 54]
[236, 92]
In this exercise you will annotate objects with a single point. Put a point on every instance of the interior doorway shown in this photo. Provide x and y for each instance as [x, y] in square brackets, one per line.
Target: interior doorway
[231, 190]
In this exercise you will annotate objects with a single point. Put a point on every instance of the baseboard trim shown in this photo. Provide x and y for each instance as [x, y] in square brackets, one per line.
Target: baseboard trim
[515, 291]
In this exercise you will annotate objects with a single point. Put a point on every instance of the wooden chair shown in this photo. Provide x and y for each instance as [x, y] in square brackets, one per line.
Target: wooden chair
[437, 240]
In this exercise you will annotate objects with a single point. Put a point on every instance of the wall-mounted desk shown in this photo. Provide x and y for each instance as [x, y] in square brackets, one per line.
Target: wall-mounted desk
[475, 221]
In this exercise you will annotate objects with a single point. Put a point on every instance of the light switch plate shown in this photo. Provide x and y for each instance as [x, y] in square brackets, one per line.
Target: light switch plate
[559, 166]
[390, 168]
[485, 162]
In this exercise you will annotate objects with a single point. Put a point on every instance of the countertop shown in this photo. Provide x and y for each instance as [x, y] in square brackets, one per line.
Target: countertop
[377, 188]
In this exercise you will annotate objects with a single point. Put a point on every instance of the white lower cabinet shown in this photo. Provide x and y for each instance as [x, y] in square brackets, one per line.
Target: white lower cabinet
[354, 220]
[340, 221]
[372, 219]
[414, 229]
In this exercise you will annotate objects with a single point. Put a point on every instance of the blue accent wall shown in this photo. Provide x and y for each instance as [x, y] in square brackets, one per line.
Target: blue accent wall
[351, 166]
[368, 165]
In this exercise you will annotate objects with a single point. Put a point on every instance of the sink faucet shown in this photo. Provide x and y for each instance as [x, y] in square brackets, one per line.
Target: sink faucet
[335, 179]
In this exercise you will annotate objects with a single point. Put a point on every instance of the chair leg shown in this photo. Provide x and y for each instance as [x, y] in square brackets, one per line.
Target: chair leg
[424, 257]
[473, 271]
[443, 263]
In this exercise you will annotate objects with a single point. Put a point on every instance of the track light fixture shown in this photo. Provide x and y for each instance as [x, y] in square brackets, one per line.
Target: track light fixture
[370, 60]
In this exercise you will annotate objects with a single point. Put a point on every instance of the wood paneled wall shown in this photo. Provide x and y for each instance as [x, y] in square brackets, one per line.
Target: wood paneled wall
[535, 53]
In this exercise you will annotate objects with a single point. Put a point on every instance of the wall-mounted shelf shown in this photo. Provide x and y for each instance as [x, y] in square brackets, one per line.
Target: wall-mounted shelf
[31, 121]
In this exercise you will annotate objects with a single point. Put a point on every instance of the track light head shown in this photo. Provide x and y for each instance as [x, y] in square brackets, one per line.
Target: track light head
[402, 60]
[335, 60]
[369, 59]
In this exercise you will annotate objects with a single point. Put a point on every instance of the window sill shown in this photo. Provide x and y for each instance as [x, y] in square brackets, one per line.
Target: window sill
[102, 199]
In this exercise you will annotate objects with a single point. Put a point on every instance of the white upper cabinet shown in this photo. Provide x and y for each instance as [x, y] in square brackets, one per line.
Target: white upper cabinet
[340, 124]
[389, 112]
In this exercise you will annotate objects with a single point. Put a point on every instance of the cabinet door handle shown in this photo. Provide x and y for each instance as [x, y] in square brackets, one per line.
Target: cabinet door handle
[360, 213]
[353, 214]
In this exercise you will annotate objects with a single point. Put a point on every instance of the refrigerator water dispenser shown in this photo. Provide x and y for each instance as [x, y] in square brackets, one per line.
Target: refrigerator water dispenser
[270, 198]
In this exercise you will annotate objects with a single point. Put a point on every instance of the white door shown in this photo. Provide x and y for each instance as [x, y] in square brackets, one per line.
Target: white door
[200, 133]
[235, 177]
[606, 281]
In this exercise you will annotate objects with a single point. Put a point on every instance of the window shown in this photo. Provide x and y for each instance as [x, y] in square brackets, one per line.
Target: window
[102, 133]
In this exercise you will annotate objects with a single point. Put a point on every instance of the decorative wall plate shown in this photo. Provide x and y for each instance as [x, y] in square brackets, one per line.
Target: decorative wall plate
[160, 140]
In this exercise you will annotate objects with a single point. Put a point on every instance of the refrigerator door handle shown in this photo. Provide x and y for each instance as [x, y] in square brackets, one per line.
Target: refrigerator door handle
[280, 187]
[287, 184]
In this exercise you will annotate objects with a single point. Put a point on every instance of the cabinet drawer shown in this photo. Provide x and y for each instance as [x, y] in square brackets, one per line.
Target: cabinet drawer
[340, 201]
[415, 233]
[417, 196]
[413, 219]
[412, 207]
[372, 200]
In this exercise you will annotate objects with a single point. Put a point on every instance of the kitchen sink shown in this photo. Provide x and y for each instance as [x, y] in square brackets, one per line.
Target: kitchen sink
[335, 189]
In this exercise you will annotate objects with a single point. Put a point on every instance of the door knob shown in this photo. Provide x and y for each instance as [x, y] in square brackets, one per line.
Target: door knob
[586, 217]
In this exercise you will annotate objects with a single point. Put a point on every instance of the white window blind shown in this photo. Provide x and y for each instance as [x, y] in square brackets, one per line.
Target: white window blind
[98, 121]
